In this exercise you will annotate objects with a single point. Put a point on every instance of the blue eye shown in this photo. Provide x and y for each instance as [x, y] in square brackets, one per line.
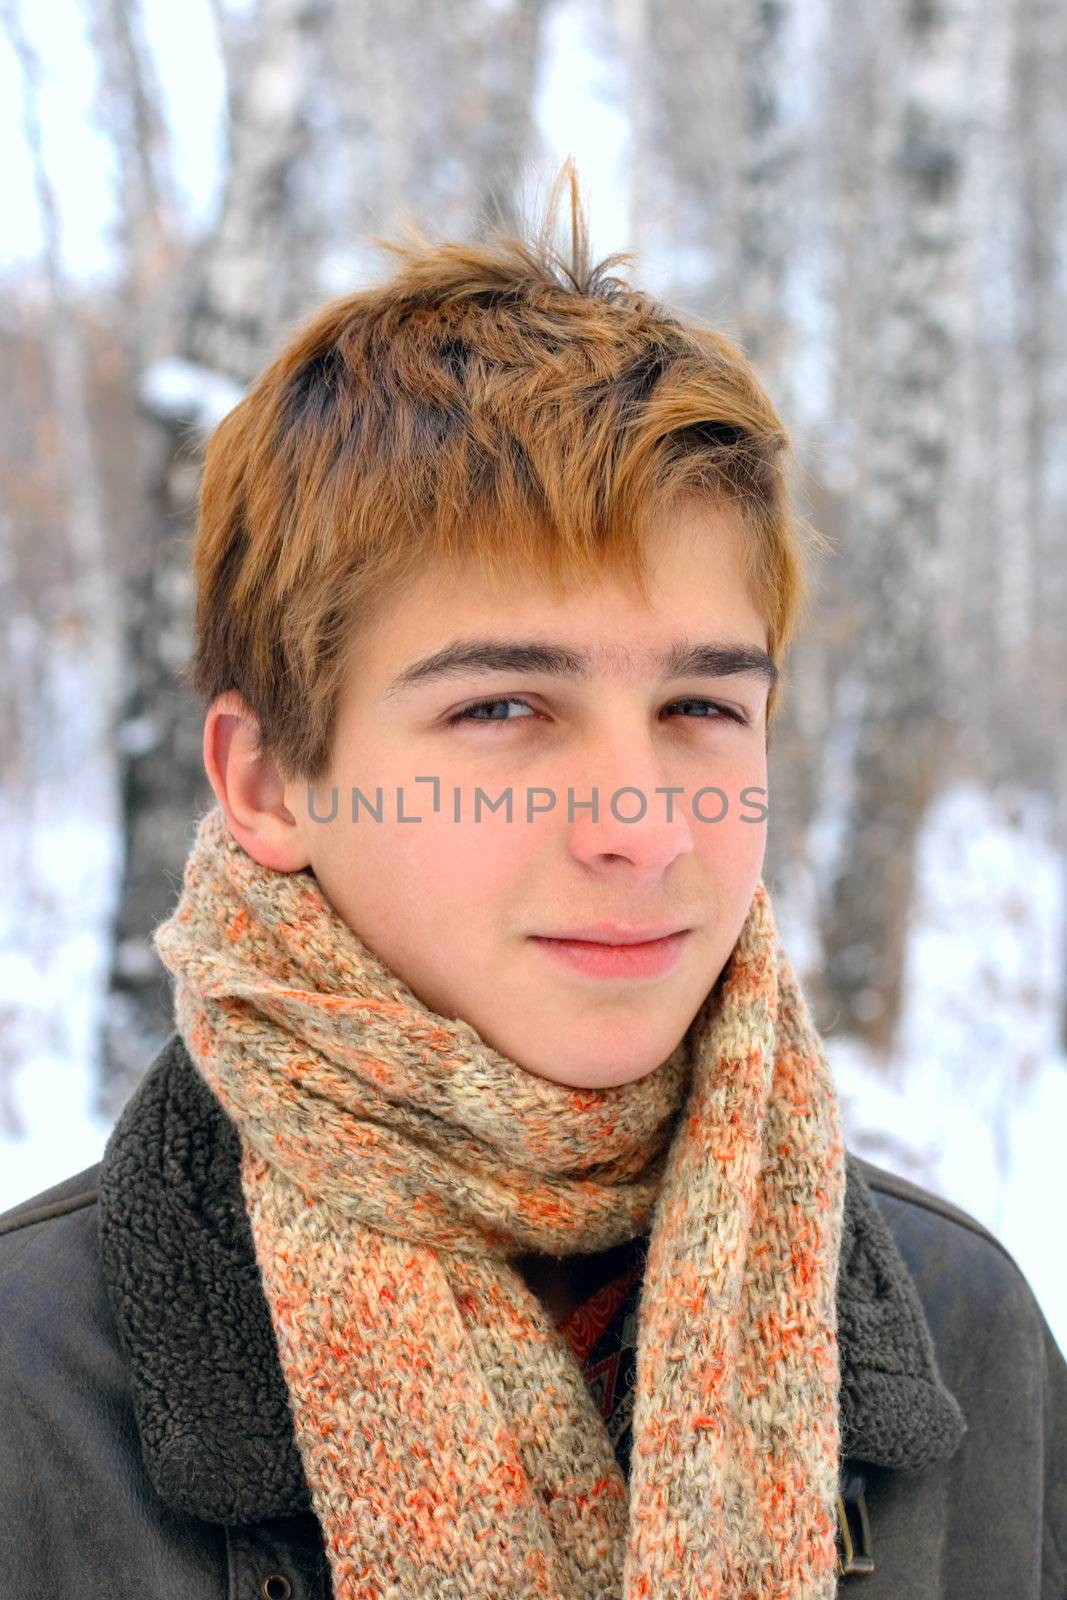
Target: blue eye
[473, 713]
[469, 715]
[721, 711]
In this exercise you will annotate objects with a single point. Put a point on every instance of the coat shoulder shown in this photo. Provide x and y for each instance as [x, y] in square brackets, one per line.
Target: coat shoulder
[70, 1194]
[962, 1270]
[52, 1292]
[68, 1431]
[999, 1357]
[49, 1257]
[924, 1203]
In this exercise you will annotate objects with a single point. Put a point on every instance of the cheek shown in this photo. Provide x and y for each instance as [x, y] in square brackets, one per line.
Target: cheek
[477, 862]
[452, 874]
[729, 812]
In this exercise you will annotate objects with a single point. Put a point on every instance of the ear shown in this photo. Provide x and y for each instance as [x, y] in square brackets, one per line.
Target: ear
[249, 788]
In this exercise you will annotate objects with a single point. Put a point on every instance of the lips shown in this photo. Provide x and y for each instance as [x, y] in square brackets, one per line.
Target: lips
[607, 933]
[596, 958]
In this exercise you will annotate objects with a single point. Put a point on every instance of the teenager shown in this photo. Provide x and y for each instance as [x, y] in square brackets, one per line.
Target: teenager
[485, 1227]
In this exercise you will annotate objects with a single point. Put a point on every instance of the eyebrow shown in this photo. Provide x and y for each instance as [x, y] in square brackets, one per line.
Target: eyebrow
[680, 660]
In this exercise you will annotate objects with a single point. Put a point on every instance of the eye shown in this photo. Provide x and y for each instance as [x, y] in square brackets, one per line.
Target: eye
[475, 712]
[729, 713]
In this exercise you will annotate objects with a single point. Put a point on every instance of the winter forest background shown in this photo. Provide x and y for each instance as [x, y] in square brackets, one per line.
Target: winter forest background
[871, 197]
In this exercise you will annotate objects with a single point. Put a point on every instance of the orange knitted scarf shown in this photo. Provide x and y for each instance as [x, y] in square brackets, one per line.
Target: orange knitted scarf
[392, 1162]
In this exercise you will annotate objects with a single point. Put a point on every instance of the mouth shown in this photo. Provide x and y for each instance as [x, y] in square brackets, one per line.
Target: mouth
[629, 958]
[613, 933]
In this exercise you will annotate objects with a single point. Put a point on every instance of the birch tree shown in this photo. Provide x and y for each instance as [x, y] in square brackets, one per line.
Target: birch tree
[62, 618]
[237, 295]
[434, 112]
[88, 590]
[906, 404]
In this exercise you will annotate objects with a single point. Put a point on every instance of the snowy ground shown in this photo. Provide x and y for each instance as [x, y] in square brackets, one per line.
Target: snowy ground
[974, 1104]
[59, 873]
[975, 1107]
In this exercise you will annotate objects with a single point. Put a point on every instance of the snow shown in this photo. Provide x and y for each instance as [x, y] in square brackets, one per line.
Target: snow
[179, 391]
[53, 971]
[973, 1106]
[974, 1103]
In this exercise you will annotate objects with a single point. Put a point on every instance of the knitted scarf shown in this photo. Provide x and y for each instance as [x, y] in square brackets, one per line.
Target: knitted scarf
[392, 1163]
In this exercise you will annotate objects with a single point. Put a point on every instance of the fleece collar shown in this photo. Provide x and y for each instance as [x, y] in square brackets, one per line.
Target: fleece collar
[209, 1396]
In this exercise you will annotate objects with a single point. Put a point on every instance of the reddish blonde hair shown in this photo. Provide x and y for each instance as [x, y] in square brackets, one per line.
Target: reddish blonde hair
[489, 399]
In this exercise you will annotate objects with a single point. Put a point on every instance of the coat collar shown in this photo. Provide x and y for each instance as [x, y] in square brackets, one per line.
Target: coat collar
[209, 1396]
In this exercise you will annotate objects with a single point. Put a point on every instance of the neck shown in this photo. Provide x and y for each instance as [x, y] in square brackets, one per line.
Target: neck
[562, 1283]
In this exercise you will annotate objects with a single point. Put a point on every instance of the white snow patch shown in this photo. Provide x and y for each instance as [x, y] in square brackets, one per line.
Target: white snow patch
[974, 1103]
[182, 392]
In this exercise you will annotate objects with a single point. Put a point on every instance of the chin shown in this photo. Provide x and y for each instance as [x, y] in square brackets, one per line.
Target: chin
[609, 1075]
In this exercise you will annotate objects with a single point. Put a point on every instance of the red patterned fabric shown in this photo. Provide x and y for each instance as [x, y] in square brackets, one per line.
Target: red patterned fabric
[602, 1332]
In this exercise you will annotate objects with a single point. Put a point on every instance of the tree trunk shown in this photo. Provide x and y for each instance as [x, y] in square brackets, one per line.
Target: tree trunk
[239, 287]
[906, 412]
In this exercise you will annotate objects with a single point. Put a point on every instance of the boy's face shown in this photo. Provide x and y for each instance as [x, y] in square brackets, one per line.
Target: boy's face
[455, 908]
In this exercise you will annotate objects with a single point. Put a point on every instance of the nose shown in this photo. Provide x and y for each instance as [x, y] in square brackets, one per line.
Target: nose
[629, 809]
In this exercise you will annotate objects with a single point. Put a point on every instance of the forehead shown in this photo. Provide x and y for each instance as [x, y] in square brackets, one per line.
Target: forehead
[693, 552]
[705, 622]
[599, 625]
